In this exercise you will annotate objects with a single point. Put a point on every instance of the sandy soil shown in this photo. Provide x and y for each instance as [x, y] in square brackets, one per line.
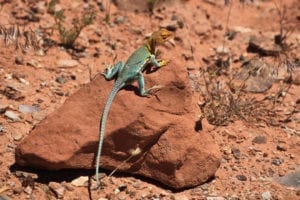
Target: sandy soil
[255, 154]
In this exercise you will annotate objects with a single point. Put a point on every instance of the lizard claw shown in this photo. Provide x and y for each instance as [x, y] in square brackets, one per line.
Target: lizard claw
[163, 63]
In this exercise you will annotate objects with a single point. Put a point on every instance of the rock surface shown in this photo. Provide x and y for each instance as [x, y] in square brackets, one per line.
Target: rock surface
[162, 126]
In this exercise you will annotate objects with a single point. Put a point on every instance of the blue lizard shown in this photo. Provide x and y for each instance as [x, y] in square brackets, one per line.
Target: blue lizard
[128, 73]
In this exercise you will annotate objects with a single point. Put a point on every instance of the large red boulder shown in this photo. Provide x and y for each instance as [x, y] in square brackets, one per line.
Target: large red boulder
[162, 126]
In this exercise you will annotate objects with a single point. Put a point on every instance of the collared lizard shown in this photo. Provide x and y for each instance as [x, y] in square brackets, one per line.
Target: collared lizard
[129, 72]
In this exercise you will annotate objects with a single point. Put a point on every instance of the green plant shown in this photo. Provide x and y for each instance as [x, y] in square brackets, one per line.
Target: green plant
[69, 35]
[107, 13]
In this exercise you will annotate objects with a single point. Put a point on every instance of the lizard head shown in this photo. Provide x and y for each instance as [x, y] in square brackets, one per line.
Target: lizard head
[161, 36]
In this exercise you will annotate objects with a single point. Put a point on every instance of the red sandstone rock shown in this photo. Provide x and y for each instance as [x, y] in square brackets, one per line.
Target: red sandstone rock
[162, 126]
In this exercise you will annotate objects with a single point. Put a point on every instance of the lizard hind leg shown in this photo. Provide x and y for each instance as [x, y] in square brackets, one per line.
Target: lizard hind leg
[143, 91]
[111, 71]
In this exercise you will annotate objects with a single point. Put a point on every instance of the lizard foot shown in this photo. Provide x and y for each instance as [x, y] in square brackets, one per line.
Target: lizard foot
[163, 63]
[107, 72]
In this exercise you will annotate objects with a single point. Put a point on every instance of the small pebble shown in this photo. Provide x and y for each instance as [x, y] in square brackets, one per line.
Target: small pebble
[12, 116]
[277, 161]
[28, 109]
[266, 195]
[281, 147]
[119, 19]
[61, 79]
[241, 177]
[19, 60]
[17, 136]
[81, 181]
[28, 190]
[260, 140]
[67, 63]
[122, 187]
[17, 190]
[39, 116]
[58, 189]
[236, 153]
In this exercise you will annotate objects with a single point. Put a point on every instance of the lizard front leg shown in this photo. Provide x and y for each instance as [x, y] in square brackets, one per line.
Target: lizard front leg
[141, 83]
[111, 71]
[157, 63]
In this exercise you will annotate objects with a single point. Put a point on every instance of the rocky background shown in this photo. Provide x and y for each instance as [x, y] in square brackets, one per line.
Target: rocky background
[224, 126]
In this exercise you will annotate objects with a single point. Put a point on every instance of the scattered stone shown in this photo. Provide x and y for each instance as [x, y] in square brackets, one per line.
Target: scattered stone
[241, 177]
[12, 116]
[119, 19]
[28, 109]
[117, 191]
[241, 29]
[22, 80]
[19, 60]
[39, 116]
[82, 181]
[204, 186]
[68, 186]
[281, 147]
[137, 184]
[171, 25]
[12, 92]
[263, 46]
[122, 187]
[17, 190]
[2, 129]
[257, 75]
[277, 161]
[236, 153]
[17, 136]
[67, 63]
[266, 195]
[260, 139]
[28, 190]
[3, 108]
[61, 79]
[222, 50]
[22, 174]
[58, 189]
[59, 92]
[34, 63]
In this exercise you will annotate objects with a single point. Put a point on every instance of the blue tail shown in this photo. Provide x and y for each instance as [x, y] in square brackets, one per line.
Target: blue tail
[118, 85]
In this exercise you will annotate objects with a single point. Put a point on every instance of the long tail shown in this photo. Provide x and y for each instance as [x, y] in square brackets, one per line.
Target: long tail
[118, 85]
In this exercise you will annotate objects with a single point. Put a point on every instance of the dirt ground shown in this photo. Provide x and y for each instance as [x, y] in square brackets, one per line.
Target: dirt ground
[260, 146]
